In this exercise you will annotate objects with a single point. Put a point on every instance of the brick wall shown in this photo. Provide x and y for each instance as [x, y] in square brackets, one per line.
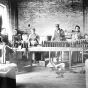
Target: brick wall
[44, 14]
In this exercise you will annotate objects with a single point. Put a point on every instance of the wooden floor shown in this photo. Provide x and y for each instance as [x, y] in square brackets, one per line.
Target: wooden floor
[43, 77]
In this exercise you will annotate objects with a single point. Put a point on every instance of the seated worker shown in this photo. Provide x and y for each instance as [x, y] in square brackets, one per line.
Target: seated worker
[25, 40]
[24, 44]
[33, 38]
[16, 38]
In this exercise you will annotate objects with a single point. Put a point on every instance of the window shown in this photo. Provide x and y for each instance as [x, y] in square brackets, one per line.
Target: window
[1, 15]
[4, 16]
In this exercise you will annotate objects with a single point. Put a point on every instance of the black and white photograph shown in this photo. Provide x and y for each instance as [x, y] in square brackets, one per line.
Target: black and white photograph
[43, 44]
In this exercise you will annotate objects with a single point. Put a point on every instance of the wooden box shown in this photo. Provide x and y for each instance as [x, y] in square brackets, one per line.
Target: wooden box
[42, 63]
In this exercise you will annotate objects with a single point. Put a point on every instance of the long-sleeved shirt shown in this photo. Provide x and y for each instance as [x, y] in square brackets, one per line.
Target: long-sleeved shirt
[33, 39]
[56, 35]
[76, 36]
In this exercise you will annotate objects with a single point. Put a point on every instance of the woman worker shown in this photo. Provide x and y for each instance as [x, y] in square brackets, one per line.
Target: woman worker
[75, 36]
[76, 33]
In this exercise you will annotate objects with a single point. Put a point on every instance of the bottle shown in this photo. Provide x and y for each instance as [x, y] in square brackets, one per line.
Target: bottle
[42, 43]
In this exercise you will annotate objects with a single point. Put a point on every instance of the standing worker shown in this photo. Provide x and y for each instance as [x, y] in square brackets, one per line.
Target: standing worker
[75, 37]
[7, 50]
[33, 40]
[56, 33]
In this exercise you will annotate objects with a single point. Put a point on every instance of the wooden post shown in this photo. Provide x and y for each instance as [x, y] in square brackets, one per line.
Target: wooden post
[30, 58]
[4, 53]
[42, 56]
[82, 60]
[84, 16]
[86, 69]
[61, 56]
[49, 57]
[33, 57]
[69, 59]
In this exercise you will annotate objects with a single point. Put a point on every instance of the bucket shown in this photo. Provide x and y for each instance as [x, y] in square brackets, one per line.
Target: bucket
[7, 62]
[49, 38]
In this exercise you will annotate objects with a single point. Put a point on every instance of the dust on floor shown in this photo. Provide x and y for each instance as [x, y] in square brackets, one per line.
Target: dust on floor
[43, 77]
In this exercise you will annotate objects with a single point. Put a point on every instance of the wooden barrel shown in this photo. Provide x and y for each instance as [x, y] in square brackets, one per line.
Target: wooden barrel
[65, 56]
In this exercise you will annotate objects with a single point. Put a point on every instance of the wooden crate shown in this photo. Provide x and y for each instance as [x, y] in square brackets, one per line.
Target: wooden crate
[42, 63]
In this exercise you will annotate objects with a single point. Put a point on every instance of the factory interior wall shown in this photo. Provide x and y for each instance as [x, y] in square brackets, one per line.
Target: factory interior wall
[44, 14]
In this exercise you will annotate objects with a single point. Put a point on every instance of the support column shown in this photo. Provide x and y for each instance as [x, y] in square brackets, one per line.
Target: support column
[85, 13]
[33, 57]
[42, 56]
[30, 57]
[49, 57]
[82, 60]
[86, 69]
[69, 59]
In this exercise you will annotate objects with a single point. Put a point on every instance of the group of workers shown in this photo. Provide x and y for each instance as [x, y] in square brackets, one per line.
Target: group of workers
[59, 35]
[33, 38]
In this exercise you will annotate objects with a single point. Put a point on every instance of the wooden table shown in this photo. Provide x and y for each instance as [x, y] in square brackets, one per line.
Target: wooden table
[50, 49]
[55, 49]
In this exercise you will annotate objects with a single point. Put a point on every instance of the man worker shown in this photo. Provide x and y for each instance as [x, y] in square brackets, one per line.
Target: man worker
[59, 66]
[33, 40]
[57, 33]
